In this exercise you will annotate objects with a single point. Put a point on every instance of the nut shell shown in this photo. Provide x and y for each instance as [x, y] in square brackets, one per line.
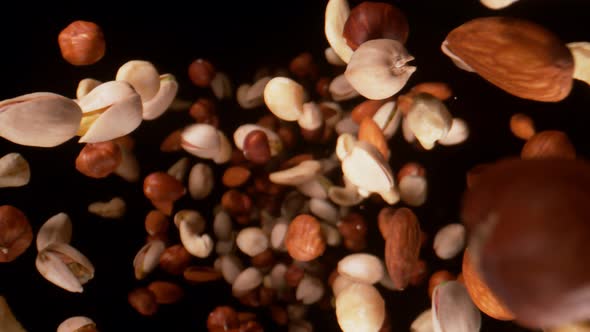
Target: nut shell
[304, 239]
[518, 56]
[82, 43]
[16, 233]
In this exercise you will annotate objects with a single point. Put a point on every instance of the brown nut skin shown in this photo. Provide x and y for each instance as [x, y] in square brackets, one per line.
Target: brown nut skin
[375, 20]
[384, 219]
[143, 301]
[548, 144]
[198, 274]
[304, 239]
[480, 293]
[402, 246]
[256, 147]
[223, 318]
[293, 275]
[98, 160]
[82, 43]
[16, 233]
[235, 176]
[522, 126]
[366, 109]
[353, 227]
[201, 72]
[204, 111]
[175, 259]
[518, 56]
[437, 278]
[156, 222]
[528, 221]
[166, 292]
[303, 66]
[172, 142]
[161, 186]
[236, 203]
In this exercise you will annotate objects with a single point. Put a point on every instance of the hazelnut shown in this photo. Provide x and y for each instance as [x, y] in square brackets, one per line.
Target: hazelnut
[304, 239]
[223, 318]
[375, 20]
[201, 72]
[353, 227]
[236, 203]
[163, 190]
[166, 292]
[256, 147]
[175, 259]
[198, 274]
[548, 144]
[303, 66]
[98, 160]
[204, 111]
[156, 222]
[82, 43]
[437, 278]
[16, 234]
[143, 300]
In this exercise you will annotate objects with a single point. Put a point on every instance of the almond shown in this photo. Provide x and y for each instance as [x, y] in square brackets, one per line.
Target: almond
[235, 176]
[370, 132]
[518, 56]
[402, 246]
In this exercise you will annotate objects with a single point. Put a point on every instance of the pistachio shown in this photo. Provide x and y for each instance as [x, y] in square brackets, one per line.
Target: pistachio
[324, 210]
[452, 309]
[14, 170]
[143, 77]
[147, 258]
[64, 266]
[200, 181]
[221, 86]
[337, 12]
[113, 209]
[378, 68]
[85, 86]
[201, 140]
[77, 324]
[8, 322]
[58, 228]
[388, 119]
[112, 109]
[26, 119]
[156, 106]
[340, 89]
[429, 120]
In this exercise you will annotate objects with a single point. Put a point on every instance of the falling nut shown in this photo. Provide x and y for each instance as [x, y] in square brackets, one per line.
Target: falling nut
[458, 133]
[99, 160]
[58, 228]
[429, 120]
[310, 290]
[581, 53]
[548, 144]
[378, 68]
[147, 258]
[423, 323]
[113, 209]
[64, 266]
[452, 309]
[297, 175]
[8, 322]
[284, 98]
[246, 281]
[340, 89]
[162, 101]
[143, 77]
[77, 324]
[449, 241]
[364, 268]
[221, 86]
[14, 170]
[497, 4]
[196, 244]
[304, 239]
[274, 141]
[252, 241]
[166, 292]
[360, 307]
[201, 140]
[82, 43]
[26, 119]
[522, 126]
[16, 233]
[143, 301]
[402, 246]
[200, 181]
[337, 12]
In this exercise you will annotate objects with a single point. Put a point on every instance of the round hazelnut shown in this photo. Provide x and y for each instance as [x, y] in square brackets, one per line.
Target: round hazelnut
[256, 147]
[98, 160]
[156, 222]
[16, 234]
[143, 300]
[201, 72]
[82, 43]
[236, 203]
[375, 20]
[160, 186]
[522, 126]
[304, 239]
[548, 144]
[204, 111]
[175, 259]
[223, 318]
[437, 278]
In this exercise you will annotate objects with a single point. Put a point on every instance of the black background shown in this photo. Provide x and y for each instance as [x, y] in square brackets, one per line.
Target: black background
[238, 37]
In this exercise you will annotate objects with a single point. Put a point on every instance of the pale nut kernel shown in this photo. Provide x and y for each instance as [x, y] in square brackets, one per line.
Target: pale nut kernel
[201, 72]
[548, 144]
[16, 233]
[458, 133]
[309, 290]
[423, 323]
[375, 20]
[113, 209]
[246, 281]
[413, 190]
[77, 324]
[429, 120]
[147, 258]
[82, 43]
[296, 175]
[304, 239]
[143, 77]
[378, 68]
[522, 126]
[449, 241]
[363, 268]
[179, 169]
[340, 89]
[200, 181]
[453, 310]
[14, 170]
[497, 4]
[98, 160]
[284, 98]
[581, 53]
[58, 228]
[256, 147]
[64, 266]
[252, 241]
[360, 308]
[332, 59]
[197, 245]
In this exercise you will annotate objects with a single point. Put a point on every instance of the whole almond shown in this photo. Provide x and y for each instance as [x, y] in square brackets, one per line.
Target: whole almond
[156, 222]
[304, 239]
[402, 246]
[370, 132]
[235, 176]
[548, 144]
[166, 292]
[518, 56]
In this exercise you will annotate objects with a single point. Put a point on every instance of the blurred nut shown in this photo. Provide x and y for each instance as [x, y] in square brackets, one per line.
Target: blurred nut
[172, 142]
[14, 170]
[303, 66]
[366, 109]
[64, 266]
[204, 111]
[375, 20]
[75, 324]
[223, 318]
[293, 275]
[370, 132]
[143, 301]
[353, 226]
[156, 222]
[548, 144]
[236, 203]
[160, 186]
[200, 181]
[235, 176]
[175, 259]
[198, 274]
[166, 292]
[402, 246]
[522, 126]
[438, 278]
[98, 160]
[304, 239]
[252, 241]
[16, 233]
[360, 307]
[201, 72]
[147, 258]
[82, 43]
[264, 259]
[449, 241]
[256, 147]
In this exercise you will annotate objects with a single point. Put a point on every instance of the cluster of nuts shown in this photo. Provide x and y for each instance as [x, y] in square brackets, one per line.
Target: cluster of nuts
[286, 207]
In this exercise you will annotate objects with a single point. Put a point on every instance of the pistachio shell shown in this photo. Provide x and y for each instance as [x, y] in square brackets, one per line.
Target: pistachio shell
[105, 95]
[274, 141]
[337, 12]
[497, 4]
[225, 149]
[388, 119]
[284, 98]
[39, 119]
[429, 120]
[201, 140]
[143, 76]
[197, 245]
[14, 170]
[148, 258]
[453, 310]
[156, 106]
[64, 266]
[366, 169]
[200, 181]
[8, 322]
[114, 208]
[247, 280]
[581, 54]
[378, 70]
[341, 89]
[58, 228]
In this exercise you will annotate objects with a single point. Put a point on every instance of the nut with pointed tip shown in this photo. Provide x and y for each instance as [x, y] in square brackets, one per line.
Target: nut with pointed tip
[39, 119]
[296, 175]
[147, 258]
[309, 290]
[375, 20]
[548, 144]
[402, 246]
[58, 228]
[256, 147]
[246, 281]
[77, 324]
[378, 68]
[363, 268]
[85, 86]
[458, 133]
[16, 233]
[370, 132]
[284, 98]
[14, 170]
[201, 140]
[449, 241]
[82, 43]
[64, 266]
[166, 292]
